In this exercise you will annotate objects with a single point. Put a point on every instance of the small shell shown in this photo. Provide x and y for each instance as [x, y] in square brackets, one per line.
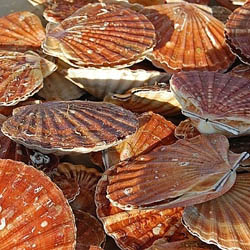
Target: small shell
[70, 126]
[214, 102]
[184, 173]
[101, 35]
[34, 212]
[224, 221]
[186, 130]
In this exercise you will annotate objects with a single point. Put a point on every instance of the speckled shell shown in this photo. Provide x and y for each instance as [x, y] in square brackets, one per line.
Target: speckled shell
[184, 173]
[135, 229]
[21, 31]
[188, 38]
[70, 126]
[116, 80]
[101, 35]
[158, 99]
[154, 130]
[34, 213]
[215, 102]
[241, 70]
[186, 130]
[225, 220]
[237, 32]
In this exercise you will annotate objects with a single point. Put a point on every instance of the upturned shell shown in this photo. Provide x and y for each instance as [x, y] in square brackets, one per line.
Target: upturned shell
[101, 35]
[215, 102]
[224, 221]
[33, 212]
[188, 38]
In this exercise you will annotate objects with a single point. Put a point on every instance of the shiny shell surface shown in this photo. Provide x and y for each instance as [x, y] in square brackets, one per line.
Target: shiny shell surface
[101, 35]
[70, 126]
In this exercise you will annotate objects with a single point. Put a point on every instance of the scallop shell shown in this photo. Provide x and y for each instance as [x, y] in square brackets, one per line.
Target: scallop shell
[227, 4]
[225, 220]
[241, 71]
[70, 126]
[158, 99]
[147, 2]
[186, 130]
[154, 130]
[135, 229]
[34, 213]
[184, 173]
[237, 32]
[21, 31]
[214, 102]
[115, 81]
[101, 35]
[188, 38]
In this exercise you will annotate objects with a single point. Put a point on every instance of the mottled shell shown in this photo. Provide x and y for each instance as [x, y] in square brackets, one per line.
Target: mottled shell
[215, 102]
[21, 31]
[34, 213]
[184, 173]
[224, 221]
[101, 35]
[186, 130]
[188, 38]
[70, 126]
[116, 81]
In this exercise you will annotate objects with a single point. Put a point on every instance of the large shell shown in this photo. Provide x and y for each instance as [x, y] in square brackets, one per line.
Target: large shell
[21, 31]
[70, 126]
[225, 220]
[215, 102]
[115, 81]
[33, 212]
[184, 173]
[101, 35]
[188, 38]
[238, 33]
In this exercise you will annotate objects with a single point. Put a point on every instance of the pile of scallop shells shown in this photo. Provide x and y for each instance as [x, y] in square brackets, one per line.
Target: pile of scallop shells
[125, 124]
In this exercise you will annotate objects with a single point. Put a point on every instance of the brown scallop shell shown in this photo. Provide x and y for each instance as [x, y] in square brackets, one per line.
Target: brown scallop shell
[188, 38]
[184, 173]
[214, 102]
[186, 130]
[224, 221]
[158, 99]
[34, 212]
[70, 126]
[135, 229]
[101, 35]
[21, 31]
[237, 32]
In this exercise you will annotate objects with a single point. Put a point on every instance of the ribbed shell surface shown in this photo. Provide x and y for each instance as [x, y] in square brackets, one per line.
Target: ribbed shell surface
[186, 130]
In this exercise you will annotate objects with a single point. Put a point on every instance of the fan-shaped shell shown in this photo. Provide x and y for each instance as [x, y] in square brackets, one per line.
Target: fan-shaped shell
[34, 213]
[186, 130]
[188, 38]
[70, 126]
[184, 173]
[225, 220]
[215, 102]
[101, 35]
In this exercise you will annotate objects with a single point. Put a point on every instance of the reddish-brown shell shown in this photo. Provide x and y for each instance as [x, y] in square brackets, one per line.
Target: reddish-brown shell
[101, 35]
[188, 38]
[186, 130]
[34, 213]
[231, 4]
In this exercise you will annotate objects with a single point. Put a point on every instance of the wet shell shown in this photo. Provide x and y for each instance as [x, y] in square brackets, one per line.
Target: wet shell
[34, 212]
[21, 31]
[186, 130]
[188, 38]
[158, 99]
[135, 229]
[225, 220]
[214, 102]
[115, 81]
[154, 130]
[237, 32]
[184, 173]
[70, 126]
[101, 35]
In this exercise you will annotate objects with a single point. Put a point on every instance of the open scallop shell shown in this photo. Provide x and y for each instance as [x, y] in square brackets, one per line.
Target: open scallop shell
[188, 38]
[101, 35]
[33, 211]
[70, 126]
[186, 130]
[224, 221]
[214, 102]
[184, 173]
